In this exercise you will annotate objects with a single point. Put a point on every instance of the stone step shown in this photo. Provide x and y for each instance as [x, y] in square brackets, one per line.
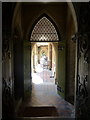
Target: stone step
[44, 118]
[38, 111]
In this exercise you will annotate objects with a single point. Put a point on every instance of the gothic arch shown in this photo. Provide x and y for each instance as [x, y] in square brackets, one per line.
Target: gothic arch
[49, 19]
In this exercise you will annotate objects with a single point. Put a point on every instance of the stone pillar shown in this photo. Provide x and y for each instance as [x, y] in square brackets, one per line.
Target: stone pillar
[36, 55]
[50, 55]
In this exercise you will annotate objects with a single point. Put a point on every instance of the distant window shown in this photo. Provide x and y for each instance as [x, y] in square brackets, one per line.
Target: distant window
[44, 30]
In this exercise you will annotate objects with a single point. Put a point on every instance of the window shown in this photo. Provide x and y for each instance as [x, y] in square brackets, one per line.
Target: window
[44, 30]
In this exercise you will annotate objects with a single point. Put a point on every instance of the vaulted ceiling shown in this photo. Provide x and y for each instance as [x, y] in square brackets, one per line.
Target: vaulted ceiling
[28, 13]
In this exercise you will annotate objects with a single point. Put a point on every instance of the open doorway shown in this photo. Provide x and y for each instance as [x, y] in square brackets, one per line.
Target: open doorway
[43, 63]
[45, 31]
[44, 37]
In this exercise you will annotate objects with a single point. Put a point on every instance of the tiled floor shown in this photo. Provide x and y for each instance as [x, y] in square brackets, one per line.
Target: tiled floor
[42, 75]
[44, 93]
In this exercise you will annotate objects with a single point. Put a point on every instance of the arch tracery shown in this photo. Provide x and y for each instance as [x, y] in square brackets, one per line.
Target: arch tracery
[44, 31]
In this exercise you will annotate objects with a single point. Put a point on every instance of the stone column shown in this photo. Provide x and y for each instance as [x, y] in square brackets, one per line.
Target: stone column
[36, 56]
[50, 55]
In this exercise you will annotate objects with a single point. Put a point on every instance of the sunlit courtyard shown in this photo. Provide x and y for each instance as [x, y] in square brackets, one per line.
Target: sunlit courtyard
[42, 75]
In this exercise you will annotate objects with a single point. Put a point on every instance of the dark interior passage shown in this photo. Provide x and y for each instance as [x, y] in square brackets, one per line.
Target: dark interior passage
[47, 102]
[65, 25]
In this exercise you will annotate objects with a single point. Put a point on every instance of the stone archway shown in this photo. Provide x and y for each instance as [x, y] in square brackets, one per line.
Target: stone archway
[44, 31]
[30, 29]
[60, 47]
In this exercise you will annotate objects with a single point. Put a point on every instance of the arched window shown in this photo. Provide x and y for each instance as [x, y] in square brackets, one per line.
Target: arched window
[44, 31]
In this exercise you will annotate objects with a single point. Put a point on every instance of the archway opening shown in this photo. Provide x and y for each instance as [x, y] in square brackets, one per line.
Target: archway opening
[44, 56]
[42, 37]
[43, 63]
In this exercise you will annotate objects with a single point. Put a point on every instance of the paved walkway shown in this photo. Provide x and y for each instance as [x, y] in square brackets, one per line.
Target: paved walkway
[46, 95]
[42, 75]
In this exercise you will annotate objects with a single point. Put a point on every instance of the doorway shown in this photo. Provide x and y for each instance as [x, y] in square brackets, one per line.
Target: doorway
[43, 38]
[43, 63]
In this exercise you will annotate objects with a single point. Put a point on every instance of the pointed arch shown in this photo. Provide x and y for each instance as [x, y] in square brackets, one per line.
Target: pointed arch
[44, 29]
